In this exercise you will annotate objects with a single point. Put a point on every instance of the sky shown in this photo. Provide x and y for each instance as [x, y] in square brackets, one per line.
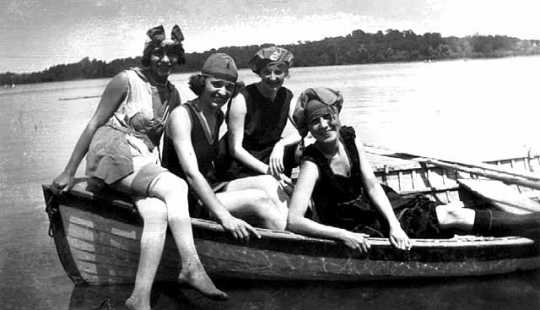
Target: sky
[37, 34]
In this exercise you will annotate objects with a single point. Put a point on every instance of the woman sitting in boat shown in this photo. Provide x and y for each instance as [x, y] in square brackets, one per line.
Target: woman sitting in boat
[191, 148]
[120, 143]
[350, 204]
[257, 118]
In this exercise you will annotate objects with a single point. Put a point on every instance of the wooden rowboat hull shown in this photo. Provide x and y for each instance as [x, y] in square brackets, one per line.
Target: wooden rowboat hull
[97, 239]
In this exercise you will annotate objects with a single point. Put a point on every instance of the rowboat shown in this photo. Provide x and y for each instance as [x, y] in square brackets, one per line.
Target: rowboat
[97, 237]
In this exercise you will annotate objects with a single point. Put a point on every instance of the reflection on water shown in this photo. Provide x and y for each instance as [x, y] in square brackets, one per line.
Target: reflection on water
[518, 291]
[473, 109]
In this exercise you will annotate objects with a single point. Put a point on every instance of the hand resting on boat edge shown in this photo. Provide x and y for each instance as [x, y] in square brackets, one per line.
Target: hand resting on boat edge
[349, 202]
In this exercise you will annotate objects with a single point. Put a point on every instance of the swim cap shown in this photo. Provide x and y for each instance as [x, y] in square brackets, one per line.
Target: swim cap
[221, 66]
[156, 38]
[272, 54]
[313, 103]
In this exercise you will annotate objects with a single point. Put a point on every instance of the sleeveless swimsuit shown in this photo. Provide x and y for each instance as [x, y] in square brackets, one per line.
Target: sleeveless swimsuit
[264, 123]
[340, 201]
[206, 147]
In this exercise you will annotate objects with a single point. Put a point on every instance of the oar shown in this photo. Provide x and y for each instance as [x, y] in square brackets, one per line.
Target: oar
[494, 168]
[502, 196]
[489, 174]
[485, 166]
[485, 170]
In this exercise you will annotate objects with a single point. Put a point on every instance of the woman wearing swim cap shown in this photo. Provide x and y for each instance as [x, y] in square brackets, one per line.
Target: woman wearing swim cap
[121, 147]
[191, 148]
[257, 118]
[349, 202]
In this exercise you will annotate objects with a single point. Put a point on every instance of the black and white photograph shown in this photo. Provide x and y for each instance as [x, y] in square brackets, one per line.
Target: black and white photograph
[250, 154]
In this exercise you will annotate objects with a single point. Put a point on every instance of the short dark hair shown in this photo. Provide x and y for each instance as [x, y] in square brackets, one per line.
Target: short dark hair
[197, 82]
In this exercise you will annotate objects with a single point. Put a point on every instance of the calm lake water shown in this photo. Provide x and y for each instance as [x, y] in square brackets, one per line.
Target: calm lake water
[475, 109]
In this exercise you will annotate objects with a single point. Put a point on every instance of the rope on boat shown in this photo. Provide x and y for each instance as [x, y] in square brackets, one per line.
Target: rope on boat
[52, 212]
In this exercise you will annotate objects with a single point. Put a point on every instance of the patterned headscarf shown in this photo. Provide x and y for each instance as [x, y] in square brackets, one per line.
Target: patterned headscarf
[156, 38]
[313, 103]
[272, 54]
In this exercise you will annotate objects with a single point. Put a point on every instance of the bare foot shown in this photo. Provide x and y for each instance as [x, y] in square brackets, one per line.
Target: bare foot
[134, 303]
[195, 276]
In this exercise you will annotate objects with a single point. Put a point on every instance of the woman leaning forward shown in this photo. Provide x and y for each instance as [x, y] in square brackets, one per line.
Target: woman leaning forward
[120, 143]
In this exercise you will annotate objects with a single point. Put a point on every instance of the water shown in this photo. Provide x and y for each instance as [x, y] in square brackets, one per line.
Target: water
[476, 109]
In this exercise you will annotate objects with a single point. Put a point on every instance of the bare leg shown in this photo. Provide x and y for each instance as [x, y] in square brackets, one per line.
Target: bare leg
[154, 214]
[173, 191]
[454, 216]
[488, 222]
[254, 206]
[268, 185]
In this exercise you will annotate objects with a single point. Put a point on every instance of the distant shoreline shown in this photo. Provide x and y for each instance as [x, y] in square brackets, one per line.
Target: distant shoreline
[358, 47]
[6, 86]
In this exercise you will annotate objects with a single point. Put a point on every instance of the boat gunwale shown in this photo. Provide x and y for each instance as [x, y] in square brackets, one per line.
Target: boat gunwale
[127, 213]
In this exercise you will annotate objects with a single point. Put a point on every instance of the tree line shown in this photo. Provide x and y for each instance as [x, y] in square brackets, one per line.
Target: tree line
[357, 47]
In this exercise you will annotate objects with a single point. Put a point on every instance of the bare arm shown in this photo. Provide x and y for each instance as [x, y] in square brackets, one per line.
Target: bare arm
[113, 95]
[235, 124]
[374, 190]
[179, 131]
[297, 222]
[290, 136]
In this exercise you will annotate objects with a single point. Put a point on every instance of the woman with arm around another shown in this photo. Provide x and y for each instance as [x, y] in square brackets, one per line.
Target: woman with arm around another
[350, 204]
[191, 148]
[257, 118]
[120, 143]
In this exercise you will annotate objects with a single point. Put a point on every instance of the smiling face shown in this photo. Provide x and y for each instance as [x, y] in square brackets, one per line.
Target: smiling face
[162, 60]
[273, 75]
[217, 91]
[325, 127]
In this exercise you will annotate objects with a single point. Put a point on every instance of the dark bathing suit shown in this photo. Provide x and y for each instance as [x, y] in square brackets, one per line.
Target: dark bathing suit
[340, 201]
[264, 124]
[206, 149]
